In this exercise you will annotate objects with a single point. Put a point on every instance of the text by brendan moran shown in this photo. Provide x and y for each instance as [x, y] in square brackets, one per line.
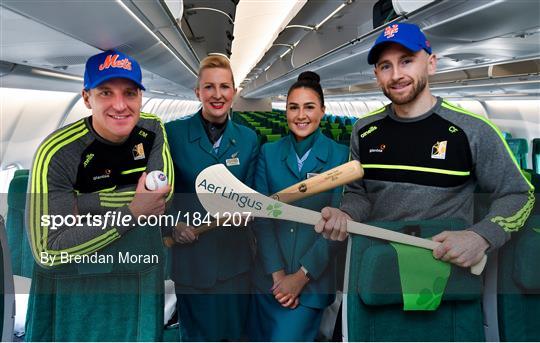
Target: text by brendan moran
[95, 258]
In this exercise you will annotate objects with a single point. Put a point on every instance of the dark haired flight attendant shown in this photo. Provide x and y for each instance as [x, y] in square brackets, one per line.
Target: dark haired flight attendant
[294, 273]
[211, 271]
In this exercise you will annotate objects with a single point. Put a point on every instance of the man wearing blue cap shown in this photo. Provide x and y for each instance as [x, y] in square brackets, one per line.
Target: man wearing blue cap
[98, 275]
[423, 158]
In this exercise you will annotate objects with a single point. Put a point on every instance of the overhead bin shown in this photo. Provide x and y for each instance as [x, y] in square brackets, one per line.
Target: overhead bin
[464, 34]
[144, 29]
[208, 24]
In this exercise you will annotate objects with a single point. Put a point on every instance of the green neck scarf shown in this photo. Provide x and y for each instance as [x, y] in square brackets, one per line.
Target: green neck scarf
[307, 143]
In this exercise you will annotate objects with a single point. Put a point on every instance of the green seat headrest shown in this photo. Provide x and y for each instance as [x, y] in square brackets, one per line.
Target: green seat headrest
[379, 280]
[17, 192]
[527, 255]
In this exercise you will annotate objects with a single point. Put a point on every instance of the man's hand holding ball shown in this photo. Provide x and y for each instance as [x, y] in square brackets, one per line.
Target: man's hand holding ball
[150, 194]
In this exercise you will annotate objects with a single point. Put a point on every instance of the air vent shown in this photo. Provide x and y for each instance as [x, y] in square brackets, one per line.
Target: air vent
[66, 60]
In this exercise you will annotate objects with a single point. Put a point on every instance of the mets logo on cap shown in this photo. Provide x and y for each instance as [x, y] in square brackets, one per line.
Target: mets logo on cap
[390, 31]
[111, 61]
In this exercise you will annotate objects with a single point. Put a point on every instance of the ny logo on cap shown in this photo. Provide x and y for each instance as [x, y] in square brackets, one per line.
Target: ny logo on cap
[111, 61]
[390, 31]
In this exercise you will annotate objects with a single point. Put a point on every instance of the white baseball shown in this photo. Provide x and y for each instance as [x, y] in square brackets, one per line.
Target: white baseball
[155, 180]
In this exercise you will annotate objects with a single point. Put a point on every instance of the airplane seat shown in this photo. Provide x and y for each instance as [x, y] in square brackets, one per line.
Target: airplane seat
[284, 128]
[335, 134]
[347, 130]
[536, 155]
[7, 292]
[270, 138]
[22, 259]
[376, 275]
[345, 138]
[519, 280]
[331, 125]
[520, 149]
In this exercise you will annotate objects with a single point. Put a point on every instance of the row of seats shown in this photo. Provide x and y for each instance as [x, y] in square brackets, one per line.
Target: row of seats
[520, 148]
[374, 305]
[271, 126]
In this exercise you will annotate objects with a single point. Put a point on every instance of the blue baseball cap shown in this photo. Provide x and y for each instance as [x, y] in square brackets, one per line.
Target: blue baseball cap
[408, 35]
[111, 64]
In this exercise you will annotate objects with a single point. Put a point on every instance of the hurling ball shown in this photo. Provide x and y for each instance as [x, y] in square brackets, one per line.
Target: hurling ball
[155, 180]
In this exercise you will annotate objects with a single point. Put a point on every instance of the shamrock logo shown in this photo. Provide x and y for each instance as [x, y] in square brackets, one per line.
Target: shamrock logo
[273, 210]
[430, 297]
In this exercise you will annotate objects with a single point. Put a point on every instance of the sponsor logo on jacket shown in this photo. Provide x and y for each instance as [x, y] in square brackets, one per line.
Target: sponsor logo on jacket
[380, 148]
[438, 151]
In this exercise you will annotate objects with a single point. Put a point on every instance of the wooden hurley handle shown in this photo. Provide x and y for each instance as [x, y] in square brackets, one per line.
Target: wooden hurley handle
[169, 242]
[322, 182]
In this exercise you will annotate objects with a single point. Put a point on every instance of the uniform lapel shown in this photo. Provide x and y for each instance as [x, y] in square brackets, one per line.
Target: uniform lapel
[230, 135]
[317, 157]
[196, 132]
[288, 156]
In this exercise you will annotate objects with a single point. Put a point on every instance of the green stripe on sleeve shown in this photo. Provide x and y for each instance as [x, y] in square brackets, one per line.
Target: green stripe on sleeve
[116, 194]
[39, 197]
[515, 222]
[114, 204]
[168, 168]
[117, 199]
[38, 186]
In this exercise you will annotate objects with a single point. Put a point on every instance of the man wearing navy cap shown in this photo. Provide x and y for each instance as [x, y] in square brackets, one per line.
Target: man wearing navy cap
[98, 275]
[423, 158]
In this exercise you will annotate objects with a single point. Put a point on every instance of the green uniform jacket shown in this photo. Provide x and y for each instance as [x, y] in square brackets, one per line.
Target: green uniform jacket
[288, 245]
[223, 252]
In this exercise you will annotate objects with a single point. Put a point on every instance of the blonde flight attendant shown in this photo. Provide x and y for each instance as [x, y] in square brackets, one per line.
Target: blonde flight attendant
[294, 274]
[211, 272]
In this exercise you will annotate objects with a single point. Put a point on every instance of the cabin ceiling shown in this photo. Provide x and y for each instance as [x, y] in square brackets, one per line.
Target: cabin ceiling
[464, 35]
[469, 37]
[36, 36]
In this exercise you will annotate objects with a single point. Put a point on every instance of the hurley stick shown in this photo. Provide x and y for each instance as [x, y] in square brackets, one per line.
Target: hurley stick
[220, 192]
[322, 182]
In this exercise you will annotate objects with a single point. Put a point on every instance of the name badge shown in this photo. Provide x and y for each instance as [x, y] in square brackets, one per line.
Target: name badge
[311, 175]
[232, 162]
